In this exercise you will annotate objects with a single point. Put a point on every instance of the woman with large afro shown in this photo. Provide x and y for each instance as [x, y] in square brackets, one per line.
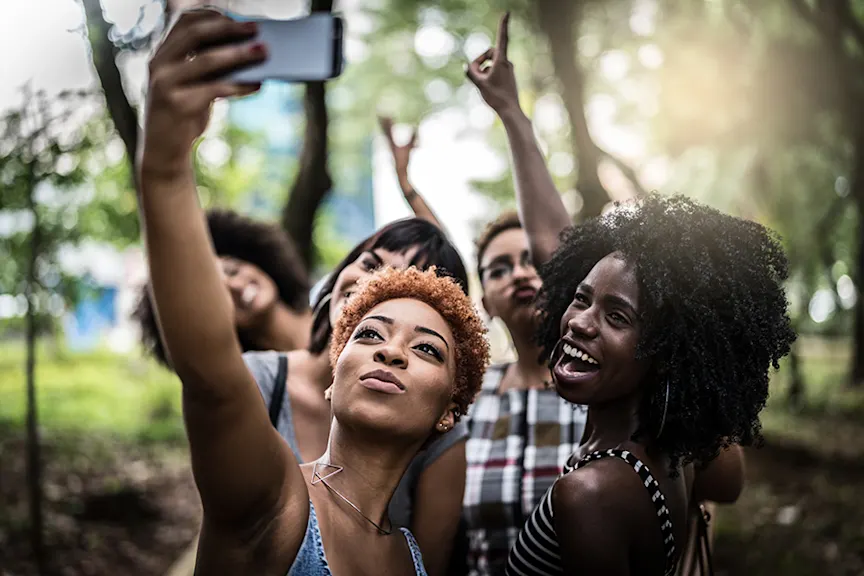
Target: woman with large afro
[667, 307]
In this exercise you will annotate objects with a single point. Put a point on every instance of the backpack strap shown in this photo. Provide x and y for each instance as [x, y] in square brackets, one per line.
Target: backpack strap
[279, 386]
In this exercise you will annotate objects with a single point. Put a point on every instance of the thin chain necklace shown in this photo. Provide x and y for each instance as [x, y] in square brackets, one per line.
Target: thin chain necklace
[316, 478]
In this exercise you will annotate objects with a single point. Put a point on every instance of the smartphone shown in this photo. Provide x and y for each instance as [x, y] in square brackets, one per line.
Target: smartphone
[301, 50]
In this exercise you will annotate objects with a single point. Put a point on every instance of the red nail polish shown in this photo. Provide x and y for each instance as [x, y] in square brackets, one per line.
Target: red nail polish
[251, 27]
[258, 49]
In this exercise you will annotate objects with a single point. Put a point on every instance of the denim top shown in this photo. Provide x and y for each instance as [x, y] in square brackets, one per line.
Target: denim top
[311, 560]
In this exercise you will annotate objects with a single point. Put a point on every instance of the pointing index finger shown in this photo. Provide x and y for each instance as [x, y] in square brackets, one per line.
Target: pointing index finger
[503, 37]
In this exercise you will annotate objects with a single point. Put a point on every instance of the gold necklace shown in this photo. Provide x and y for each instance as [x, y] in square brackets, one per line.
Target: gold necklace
[316, 478]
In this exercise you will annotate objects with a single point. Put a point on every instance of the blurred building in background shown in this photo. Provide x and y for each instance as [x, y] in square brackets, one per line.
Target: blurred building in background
[348, 214]
[103, 316]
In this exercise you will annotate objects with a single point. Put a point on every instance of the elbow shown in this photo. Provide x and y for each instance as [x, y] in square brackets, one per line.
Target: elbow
[723, 480]
[721, 492]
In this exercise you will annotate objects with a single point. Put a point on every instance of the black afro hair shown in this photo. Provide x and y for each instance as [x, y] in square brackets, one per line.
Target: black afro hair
[263, 244]
[714, 315]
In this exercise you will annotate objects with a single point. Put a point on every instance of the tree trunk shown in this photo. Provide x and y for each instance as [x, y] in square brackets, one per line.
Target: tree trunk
[857, 192]
[34, 460]
[796, 380]
[313, 182]
[560, 22]
[104, 52]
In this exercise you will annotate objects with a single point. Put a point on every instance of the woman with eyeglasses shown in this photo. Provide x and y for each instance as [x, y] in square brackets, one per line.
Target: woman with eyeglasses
[520, 431]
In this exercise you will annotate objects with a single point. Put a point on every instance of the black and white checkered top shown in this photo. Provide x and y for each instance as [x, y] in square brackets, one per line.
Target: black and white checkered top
[536, 552]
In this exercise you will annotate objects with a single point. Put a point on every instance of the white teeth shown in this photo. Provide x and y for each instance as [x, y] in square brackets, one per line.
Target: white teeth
[574, 352]
[249, 293]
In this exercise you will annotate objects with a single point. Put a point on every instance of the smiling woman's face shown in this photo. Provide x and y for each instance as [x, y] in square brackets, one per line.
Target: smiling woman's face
[365, 265]
[253, 293]
[595, 359]
[396, 374]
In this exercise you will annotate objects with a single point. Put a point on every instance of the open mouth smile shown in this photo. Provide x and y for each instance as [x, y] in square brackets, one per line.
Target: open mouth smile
[573, 364]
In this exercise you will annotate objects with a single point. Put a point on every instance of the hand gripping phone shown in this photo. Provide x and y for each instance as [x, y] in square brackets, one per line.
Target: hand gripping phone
[300, 50]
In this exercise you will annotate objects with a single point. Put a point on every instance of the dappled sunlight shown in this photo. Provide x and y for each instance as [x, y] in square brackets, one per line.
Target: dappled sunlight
[750, 107]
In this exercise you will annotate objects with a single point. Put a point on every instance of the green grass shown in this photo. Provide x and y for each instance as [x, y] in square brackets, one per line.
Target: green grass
[831, 416]
[125, 397]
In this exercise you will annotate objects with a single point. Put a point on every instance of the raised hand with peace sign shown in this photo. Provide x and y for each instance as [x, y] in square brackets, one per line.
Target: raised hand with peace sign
[401, 154]
[493, 75]
[401, 158]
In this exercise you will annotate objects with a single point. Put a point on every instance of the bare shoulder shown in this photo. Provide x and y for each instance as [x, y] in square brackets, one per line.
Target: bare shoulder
[592, 511]
[603, 487]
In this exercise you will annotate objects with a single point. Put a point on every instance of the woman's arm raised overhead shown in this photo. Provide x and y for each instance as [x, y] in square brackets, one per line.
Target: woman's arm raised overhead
[243, 470]
[401, 159]
[541, 208]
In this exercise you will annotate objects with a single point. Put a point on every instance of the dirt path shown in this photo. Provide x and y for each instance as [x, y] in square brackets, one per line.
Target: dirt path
[114, 509]
[801, 514]
[110, 509]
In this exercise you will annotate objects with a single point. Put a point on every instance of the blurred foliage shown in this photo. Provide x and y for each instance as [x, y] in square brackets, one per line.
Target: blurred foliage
[97, 392]
[736, 103]
[48, 150]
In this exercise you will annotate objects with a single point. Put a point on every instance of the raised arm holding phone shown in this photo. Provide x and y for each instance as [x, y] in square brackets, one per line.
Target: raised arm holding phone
[396, 385]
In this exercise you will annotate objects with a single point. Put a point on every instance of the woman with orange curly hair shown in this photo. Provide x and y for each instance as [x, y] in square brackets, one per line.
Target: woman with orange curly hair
[409, 356]
[409, 353]
[191, 306]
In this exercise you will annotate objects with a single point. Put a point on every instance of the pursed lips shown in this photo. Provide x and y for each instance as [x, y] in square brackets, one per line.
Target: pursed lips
[383, 381]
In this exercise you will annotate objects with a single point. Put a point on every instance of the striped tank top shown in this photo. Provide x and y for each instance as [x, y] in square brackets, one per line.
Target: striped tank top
[536, 552]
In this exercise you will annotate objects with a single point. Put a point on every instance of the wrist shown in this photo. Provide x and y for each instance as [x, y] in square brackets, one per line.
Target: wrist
[158, 170]
[513, 117]
[406, 187]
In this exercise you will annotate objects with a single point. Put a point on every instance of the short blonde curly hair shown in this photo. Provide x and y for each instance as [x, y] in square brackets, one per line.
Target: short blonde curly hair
[447, 298]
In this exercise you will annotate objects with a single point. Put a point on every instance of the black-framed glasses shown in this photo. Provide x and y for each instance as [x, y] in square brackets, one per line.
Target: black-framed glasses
[504, 266]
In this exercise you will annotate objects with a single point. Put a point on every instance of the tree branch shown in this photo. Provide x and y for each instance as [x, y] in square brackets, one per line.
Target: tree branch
[809, 15]
[626, 170]
[313, 181]
[560, 21]
[124, 115]
[847, 17]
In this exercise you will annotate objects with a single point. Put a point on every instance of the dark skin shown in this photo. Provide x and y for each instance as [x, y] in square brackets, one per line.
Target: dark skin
[254, 494]
[544, 216]
[541, 209]
[435, 518]
[603, 508]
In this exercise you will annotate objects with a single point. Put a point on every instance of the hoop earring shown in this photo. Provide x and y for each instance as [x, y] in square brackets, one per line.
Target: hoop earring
[665, 409]
[321, 303]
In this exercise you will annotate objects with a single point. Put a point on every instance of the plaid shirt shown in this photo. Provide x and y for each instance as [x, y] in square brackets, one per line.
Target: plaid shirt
[518, 443]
